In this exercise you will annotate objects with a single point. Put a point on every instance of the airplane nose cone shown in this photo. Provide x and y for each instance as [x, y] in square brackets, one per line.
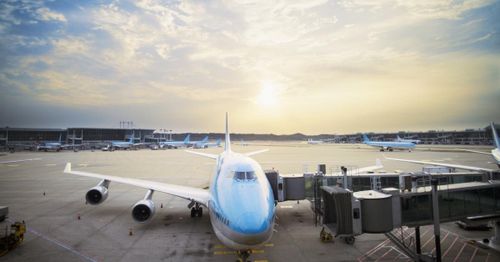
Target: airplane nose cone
[251, 223]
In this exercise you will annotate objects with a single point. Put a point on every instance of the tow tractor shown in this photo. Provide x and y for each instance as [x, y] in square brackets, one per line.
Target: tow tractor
[12, 239]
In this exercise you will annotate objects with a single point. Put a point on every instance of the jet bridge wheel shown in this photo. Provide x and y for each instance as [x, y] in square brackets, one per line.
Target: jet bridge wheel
[349, 240]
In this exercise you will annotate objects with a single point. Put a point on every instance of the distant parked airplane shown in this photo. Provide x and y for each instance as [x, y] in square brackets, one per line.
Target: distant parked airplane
[199, 144]
[389, 146]
[54, 145]
[130, 144]
[314, 142]
[208, 144]
[175, 144]
[414, 141]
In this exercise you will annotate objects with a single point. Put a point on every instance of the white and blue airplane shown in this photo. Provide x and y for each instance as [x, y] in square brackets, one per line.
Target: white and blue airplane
[388, 145]
[207, 144]
[199, 144]
[311, 141]
[55, 145]
[125, 144]
[175, 144]
[414, 141]
[239, 200]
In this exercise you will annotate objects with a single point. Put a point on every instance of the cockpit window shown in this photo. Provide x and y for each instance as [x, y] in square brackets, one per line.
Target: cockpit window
[242, 175]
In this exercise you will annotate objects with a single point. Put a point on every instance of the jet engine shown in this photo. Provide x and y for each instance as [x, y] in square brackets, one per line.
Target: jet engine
[143, 210]
[98, 194]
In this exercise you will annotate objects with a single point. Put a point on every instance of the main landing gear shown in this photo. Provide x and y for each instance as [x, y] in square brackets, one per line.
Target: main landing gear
[196, 209]
[243, 255]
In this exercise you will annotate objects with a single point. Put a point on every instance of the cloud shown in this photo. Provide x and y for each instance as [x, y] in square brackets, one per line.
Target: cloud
[46, 14]
[332, 60]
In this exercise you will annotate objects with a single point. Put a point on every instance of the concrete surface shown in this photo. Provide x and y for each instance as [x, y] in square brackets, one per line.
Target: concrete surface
[50, 202]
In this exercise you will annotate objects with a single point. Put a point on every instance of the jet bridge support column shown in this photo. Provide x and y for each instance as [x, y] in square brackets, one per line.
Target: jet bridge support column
[418, 248]
[435, 216]
[344, 177]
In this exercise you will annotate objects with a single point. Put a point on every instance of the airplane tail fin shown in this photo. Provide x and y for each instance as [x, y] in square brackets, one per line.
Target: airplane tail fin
[496, 139]
[227, 144]
[365, 138]
[398, 138]
[186, 140]
[218, 142]
[60, 138]
[205, 139]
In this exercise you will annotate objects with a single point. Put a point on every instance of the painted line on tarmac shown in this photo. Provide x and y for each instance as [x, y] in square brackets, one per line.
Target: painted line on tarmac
[473, 255]
[34, 232]
[449, 248]
[61, 245]
[460, 252]
[50, 164]
[224, 252]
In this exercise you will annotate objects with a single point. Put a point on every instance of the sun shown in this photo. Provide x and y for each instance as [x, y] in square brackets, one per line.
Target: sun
[268, 95]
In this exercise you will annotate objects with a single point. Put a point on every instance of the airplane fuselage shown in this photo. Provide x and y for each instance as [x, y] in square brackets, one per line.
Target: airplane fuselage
[391, 145]
[49, 146]
[242, 209]
[121, 144]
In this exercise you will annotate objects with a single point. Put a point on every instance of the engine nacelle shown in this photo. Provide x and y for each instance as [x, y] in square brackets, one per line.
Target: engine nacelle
[96, 195]
[143, 210]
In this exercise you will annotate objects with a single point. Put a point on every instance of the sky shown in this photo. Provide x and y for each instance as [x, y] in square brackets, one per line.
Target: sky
[309, 66]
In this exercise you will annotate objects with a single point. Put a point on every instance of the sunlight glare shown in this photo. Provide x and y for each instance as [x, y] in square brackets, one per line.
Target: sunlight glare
[268, 95]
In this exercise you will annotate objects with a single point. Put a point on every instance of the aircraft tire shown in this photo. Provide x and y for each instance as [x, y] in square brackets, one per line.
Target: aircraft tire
[349, 240]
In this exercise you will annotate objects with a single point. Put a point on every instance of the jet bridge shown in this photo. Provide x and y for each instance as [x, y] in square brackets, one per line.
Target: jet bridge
[382, 212]
[349, 204]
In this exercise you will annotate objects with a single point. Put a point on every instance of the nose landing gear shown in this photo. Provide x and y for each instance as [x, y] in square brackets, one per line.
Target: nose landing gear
[243, 255]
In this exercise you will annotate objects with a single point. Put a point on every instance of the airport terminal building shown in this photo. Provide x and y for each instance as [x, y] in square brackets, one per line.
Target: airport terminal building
[26, 137]
[74, 135]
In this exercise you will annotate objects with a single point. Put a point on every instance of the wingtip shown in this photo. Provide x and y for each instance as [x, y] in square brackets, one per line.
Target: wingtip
[67, 169]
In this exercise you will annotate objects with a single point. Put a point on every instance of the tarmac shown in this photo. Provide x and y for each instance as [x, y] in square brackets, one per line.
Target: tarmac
[61, 227]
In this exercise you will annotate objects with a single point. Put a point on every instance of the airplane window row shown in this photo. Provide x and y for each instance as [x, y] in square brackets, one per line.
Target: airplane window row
[241, 175]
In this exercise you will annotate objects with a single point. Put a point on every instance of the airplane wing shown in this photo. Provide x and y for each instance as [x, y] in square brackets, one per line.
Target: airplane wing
[212, 156]
[198, 195]
[477, 152]
[21, 160]
[256, 152]
[378, 165]
[473, 168]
